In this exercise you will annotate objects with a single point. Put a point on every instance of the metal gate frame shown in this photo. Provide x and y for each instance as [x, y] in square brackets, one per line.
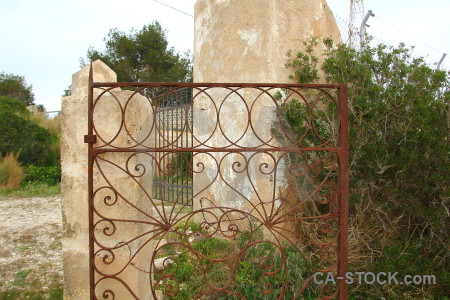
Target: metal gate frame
[341, 150]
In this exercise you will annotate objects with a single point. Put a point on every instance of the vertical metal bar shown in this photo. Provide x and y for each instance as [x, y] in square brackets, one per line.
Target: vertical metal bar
[185, 136]
[155, 120]
[163, 157]
[159, 153]
[157, 129]
[180, 118]
[157, 142]
[170, 156]
[190, 190]
[160, 142]
[343, 184]
[181, 139]
[91, 184]
[174, 155]
[155, 167]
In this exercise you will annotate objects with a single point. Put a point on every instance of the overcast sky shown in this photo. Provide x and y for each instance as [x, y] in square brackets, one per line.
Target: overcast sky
[43, 40]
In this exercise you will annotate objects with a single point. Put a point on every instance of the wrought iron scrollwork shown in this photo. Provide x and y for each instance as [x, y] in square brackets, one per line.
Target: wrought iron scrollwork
[254, 210]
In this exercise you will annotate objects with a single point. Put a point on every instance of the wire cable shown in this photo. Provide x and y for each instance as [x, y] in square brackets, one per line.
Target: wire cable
[183, 12]
[405, 33]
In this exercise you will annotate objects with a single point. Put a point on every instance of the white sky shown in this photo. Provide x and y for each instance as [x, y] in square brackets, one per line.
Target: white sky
[43, 40]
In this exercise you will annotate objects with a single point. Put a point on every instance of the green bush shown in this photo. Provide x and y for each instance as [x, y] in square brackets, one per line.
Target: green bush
[13, 105]
[43, 174]
[36, 145]
[16, 87]
[399, 162]
[246, 273]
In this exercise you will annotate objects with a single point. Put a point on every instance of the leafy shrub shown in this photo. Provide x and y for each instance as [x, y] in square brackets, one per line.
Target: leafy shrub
[36, 145]
[16, 87]
[11, 172]
[247, 273]
[14, 106]
[52, 125]
[44, 174]
[143, 55]
[399, 163]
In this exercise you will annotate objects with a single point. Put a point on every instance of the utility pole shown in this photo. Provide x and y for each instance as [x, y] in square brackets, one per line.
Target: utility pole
[362, 29]
[356, 18]
[440, 62]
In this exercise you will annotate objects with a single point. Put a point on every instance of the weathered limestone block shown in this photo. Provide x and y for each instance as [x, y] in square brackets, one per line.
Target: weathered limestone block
[74, 162]
[74, 186]
[80, 79]
[247, 42]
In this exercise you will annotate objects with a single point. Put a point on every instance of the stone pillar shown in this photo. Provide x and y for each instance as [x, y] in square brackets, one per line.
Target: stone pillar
[74, 188]
[246, 42]
[74, 183]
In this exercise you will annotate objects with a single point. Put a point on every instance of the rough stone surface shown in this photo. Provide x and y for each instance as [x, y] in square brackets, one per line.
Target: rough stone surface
[75, 197]
[247, 41]
[74, 184]
[80, 79]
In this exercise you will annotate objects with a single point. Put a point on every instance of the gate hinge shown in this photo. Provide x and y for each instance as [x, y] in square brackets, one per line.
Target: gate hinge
[90, 139]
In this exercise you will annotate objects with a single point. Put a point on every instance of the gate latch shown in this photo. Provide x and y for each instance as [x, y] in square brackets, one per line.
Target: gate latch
[90, 139]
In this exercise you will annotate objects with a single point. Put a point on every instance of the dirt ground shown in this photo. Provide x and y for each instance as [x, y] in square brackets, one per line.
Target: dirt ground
[30, 243]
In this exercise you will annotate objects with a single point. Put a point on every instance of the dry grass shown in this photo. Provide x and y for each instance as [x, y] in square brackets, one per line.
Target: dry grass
[52, 125]
[11, 172]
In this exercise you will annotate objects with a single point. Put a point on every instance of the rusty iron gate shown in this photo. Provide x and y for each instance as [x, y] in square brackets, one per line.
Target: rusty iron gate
[267, 214]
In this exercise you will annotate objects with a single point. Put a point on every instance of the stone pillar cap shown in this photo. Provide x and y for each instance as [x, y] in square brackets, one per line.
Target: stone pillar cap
[80, 79]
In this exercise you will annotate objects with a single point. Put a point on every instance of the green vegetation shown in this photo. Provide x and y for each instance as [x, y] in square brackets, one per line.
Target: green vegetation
[50, 175]
[246, 274]
[143, 55]
[36, 145]
[54, 292]
[15, 86]
[399, 162]
[29, 151]
[52, 125]
[31, 189]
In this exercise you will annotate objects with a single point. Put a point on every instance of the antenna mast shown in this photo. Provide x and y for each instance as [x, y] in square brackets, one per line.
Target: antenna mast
[356, 18]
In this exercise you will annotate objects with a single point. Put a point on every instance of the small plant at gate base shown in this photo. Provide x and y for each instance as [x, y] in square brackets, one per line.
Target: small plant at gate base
[191, 270]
